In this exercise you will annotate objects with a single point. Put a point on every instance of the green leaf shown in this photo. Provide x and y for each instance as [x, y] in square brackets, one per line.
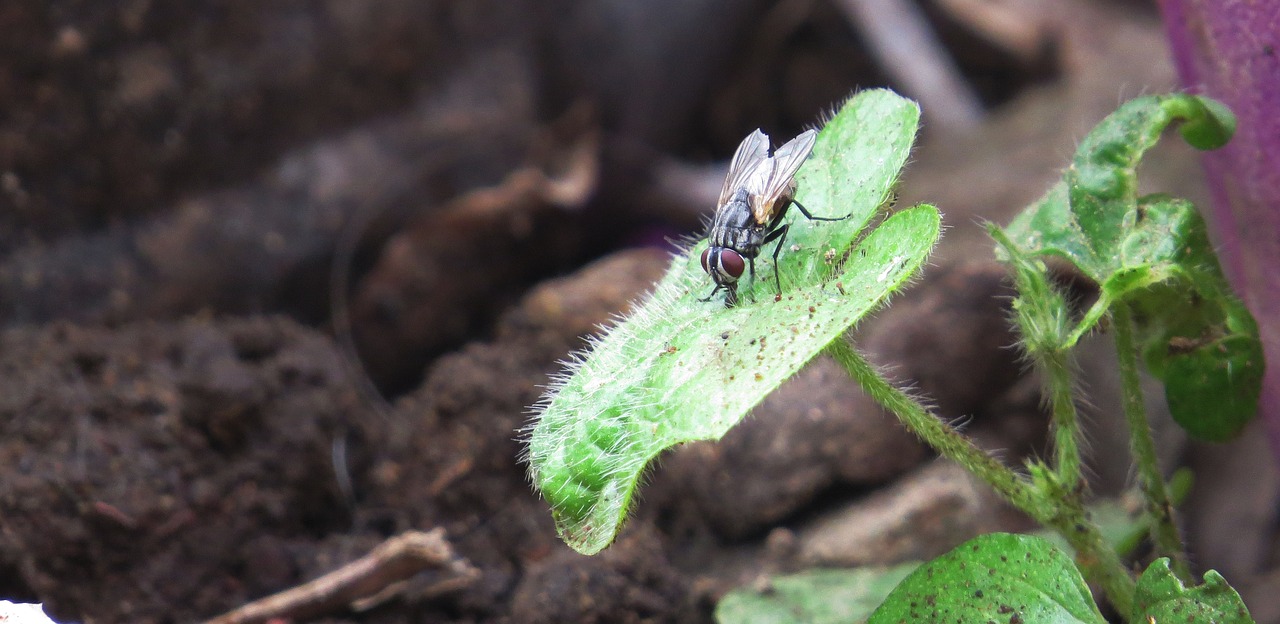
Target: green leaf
[681, 369]
[1153, 254]
[1161, 597]
[1195, 335]
[1103, 179]
[813, 597]
[998, 577]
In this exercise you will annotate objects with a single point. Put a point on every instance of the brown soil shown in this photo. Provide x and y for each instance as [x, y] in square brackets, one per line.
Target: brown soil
[193, 196]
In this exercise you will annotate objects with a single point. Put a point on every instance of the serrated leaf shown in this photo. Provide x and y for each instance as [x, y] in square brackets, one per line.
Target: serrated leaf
[681, 369]
[814, 597]
[1153, 254]
[1161, 597]
[999, 577]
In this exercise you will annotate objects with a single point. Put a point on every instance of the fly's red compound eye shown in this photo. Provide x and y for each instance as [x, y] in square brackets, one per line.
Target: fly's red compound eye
[706, 254]
[732, 263]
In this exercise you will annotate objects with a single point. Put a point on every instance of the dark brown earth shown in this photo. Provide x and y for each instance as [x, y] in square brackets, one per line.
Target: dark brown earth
[228, 229]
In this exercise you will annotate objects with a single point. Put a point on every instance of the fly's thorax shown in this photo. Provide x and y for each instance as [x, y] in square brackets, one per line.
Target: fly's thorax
[734, 213]
[731, 223]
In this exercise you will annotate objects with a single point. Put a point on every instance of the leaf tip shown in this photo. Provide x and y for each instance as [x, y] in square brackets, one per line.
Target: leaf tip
[1212, 128]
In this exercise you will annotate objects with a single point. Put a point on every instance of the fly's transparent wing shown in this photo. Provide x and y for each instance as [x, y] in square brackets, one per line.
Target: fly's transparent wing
[753, 151]
[775, 180]
[795, 151]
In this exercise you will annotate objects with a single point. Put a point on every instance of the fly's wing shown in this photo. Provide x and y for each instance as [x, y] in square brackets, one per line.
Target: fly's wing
[775, 181]
[753, 151]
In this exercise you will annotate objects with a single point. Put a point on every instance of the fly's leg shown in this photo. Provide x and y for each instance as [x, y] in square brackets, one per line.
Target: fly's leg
[730, 294]
[779, 233]
[810, 217]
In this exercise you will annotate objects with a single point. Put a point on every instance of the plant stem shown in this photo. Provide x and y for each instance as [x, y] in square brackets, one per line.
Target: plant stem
[1096, 560]
[1164, 528]
[1090, 320]
[1066, 425]
[941, 436]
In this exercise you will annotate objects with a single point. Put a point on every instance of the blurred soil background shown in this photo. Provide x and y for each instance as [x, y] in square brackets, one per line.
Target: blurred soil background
[279, 281]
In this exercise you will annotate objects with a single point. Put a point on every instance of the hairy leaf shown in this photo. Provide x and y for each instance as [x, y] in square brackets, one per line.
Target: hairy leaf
[1152, 253]
[1161, 597]
[999, 577]
[813, 597]
[680, 369]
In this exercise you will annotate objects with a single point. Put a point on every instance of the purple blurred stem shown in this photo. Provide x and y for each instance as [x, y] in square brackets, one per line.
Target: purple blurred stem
[1230, 50]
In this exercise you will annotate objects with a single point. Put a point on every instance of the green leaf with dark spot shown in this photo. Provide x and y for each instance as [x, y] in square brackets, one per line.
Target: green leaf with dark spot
[998, 577]
[680, 369]
[1161, 597]
[1152, 253]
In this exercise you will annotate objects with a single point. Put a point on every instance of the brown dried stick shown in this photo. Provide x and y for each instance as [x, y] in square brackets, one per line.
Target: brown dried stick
[393, 561]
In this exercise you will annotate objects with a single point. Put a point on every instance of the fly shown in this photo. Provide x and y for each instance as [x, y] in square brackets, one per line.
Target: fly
[757, 192]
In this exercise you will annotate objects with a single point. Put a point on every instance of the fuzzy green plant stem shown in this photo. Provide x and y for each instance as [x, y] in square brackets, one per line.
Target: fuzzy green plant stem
[1095, 558]
[1164, 529]
[1089, 321]
[1066, 425]
[941, 436]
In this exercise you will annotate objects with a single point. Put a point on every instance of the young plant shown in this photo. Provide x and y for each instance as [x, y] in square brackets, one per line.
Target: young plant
[682, 370]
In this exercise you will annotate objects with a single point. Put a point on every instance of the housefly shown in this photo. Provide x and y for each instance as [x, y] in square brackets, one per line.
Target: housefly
[757, 192]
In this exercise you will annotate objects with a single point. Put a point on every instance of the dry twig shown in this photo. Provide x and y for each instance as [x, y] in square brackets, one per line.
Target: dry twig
[386, 566]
